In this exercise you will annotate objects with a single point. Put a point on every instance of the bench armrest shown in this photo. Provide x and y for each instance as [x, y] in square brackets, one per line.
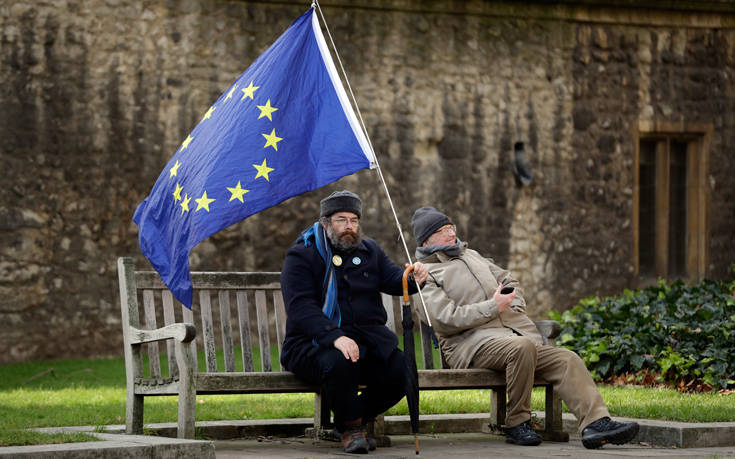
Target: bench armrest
[548, 329]
[183, 332]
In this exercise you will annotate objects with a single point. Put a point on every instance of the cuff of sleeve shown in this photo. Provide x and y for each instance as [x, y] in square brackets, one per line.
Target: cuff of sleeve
[327, 339]
[491, 311]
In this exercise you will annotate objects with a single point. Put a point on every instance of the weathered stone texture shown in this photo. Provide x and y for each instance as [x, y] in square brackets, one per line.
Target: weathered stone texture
[96, 95]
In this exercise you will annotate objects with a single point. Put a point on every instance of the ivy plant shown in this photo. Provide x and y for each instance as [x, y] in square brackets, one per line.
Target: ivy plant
[682, 333]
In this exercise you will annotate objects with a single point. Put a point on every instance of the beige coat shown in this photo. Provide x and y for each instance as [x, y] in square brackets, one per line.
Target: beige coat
[459, 299]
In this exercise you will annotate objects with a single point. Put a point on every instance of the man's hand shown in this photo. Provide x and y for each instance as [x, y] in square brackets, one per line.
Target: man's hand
[348, 347]
[503, 301]
[420, 273]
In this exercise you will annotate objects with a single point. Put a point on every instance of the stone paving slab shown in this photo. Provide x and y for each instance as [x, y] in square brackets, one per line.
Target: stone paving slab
[454, 446]
[659, 433]
[463, 435]
[114, 446]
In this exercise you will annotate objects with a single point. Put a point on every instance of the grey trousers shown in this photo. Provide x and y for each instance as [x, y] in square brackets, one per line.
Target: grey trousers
[522, 359]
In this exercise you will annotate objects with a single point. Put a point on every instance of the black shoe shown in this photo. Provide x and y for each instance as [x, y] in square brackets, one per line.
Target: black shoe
[354, 441]
[522, 434]
[372, 444]
[605, 430]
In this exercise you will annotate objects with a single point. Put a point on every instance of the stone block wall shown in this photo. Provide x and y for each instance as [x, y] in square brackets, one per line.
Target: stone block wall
[96, 95]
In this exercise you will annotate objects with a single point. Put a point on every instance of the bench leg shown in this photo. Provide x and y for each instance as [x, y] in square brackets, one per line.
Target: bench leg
[498, 410]
[322, 419]
[187, 391]
[553, 425]
[134, 414]
[376, 429]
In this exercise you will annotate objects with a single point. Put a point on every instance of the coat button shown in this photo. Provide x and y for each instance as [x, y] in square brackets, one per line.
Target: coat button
[345, 276]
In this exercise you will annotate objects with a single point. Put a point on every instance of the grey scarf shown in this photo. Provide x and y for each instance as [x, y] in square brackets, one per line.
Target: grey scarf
[451, 250]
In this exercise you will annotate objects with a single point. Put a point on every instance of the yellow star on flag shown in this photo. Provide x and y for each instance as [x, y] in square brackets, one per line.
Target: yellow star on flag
[186, 142]
[237, 192]
[185, 204]
[266, 110]
[174, 170]
[229, 94]
[249, 91]
[203, 202]
[263, 170]
[209, 113]
[272, 140]
[177, 193]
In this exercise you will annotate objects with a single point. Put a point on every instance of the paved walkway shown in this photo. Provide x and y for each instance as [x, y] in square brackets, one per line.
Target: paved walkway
[454, 446]
[278, 438]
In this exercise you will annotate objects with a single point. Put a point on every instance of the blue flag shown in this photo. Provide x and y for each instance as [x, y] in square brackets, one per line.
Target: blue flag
[283, 128]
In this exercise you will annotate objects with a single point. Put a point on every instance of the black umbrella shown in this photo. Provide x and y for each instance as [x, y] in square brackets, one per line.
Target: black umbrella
[412, 374]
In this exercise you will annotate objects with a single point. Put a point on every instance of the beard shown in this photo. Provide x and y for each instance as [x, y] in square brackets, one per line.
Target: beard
[345, 241]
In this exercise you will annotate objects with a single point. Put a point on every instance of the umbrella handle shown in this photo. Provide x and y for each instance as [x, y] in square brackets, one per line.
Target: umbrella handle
[408, 271]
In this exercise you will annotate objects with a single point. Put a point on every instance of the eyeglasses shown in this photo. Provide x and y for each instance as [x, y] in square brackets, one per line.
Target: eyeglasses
[447, 229]
[342, 221]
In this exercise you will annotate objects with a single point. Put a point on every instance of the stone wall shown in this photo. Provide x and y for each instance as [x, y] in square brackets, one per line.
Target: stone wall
[96, 95]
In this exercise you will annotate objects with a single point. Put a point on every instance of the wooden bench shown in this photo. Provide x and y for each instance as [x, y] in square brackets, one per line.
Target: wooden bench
[259, 306]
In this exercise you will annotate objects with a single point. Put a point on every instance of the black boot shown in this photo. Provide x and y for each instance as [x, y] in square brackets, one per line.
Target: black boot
[353, 439]
[605, 430]
[522, 434]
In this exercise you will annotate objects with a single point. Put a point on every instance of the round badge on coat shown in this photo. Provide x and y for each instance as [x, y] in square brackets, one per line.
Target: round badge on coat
[337, 260]
[356, 261]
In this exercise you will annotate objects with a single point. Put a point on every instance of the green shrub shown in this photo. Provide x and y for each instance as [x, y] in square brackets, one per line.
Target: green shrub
[683, 333]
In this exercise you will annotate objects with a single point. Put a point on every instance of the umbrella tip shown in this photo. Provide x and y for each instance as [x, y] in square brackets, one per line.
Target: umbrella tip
[416, 442]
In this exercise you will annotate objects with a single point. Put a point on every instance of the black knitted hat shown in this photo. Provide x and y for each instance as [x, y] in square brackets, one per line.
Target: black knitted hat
[425, 221]
[340, 201]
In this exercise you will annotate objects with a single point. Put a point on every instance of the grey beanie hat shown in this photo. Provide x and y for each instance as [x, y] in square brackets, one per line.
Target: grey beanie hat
[425, 221]
[340, 201]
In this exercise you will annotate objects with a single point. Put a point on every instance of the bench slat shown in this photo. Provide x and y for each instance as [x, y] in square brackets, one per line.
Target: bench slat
[149, 308]
[263, 334]
[210, 352]
[472, 378]
[188, 316]
[280, 319]
[215, 280]
[226, 327]
[261, 382]
[427, 350]
[388, 305]
[244, 319]
[168, 318]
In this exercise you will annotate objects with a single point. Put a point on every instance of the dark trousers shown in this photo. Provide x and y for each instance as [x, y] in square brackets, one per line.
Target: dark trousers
[340, 379]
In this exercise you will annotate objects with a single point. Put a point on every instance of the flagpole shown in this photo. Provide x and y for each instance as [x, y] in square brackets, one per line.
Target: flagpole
[377, 164]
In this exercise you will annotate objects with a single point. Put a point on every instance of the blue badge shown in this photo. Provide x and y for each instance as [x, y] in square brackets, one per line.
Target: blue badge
[356, 261]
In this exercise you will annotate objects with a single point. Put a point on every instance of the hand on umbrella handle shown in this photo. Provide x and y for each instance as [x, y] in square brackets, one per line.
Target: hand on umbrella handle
[408, 271]
[420, 273]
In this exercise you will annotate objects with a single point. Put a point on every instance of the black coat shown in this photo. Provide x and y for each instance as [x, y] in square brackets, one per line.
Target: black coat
[359, 286]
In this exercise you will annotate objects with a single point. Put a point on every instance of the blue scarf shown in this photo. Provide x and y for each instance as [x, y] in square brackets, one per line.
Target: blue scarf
[330, 308]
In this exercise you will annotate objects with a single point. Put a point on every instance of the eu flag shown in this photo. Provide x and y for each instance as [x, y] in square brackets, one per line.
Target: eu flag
[283, 128]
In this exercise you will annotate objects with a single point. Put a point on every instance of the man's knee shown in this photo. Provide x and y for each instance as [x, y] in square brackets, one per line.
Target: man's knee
[397, 363]
[573, 359]
[523, 348]
[335, 365]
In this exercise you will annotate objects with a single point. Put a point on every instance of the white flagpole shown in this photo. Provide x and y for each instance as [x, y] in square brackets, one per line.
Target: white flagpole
[377, 164]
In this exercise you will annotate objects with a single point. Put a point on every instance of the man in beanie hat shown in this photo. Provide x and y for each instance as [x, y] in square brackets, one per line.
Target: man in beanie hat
[335, 330]
[479, 315]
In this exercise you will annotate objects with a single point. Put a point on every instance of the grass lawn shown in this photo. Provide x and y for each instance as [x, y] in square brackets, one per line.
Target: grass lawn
[92, 392]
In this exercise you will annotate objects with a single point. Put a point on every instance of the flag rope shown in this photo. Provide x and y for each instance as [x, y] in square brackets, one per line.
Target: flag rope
[377, 163]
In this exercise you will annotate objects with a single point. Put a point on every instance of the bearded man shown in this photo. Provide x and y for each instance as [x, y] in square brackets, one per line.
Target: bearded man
[335, 327]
